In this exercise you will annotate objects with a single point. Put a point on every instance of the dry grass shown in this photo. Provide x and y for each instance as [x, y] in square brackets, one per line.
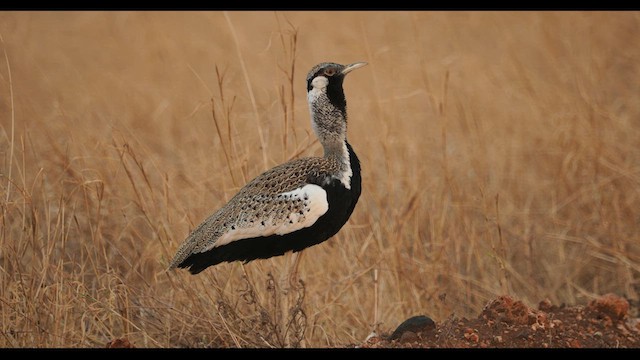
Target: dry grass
[500, 155]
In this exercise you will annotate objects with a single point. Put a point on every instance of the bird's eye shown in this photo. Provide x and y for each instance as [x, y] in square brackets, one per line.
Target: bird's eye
[329, 71]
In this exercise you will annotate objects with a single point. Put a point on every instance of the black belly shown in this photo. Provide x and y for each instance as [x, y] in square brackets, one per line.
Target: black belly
[341, 201]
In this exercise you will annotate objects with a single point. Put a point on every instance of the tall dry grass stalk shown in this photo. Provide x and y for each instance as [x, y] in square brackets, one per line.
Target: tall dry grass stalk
[499, 155]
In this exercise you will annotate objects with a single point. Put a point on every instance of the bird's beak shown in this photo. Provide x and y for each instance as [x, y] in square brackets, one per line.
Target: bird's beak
[347, 69]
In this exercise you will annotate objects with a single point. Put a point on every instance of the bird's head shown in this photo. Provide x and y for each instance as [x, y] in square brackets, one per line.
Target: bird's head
[326, 98]
[327, 78]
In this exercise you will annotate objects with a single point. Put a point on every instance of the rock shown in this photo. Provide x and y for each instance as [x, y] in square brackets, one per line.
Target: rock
[414, 324]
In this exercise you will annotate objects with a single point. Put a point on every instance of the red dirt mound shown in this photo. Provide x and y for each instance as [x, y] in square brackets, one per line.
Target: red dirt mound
[508, 323]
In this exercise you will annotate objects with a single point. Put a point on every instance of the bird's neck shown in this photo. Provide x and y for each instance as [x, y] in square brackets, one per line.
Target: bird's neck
[329, 122]
[336, 149]
[331, 131]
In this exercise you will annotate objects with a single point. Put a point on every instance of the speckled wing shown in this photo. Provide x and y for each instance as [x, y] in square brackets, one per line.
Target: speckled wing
[279, 201]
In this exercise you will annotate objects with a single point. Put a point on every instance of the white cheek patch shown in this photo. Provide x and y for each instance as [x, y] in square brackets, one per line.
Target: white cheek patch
[319, 84]
[308, 203]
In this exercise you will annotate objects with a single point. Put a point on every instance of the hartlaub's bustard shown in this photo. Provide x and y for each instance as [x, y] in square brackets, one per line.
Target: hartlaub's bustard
[295, 205]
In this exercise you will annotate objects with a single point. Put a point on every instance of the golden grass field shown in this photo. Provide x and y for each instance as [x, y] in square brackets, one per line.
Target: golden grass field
[500, 155]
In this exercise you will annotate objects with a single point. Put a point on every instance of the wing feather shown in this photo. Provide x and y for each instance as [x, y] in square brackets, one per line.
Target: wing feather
[278, 201]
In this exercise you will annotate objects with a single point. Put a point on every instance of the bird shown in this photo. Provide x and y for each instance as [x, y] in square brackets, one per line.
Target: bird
[295, 205]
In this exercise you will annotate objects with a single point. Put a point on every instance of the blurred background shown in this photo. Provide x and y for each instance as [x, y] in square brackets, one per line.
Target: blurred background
[499, 153]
